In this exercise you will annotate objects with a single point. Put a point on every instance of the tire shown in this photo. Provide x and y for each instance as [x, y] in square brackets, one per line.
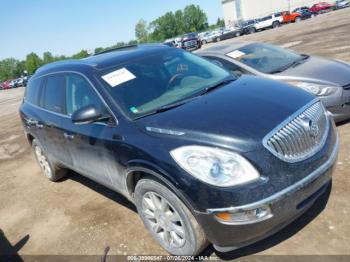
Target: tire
[204, 42]
[312, 16]
[238, 34]
[50, 170]
[218, 39]
[275, 24]
[252, 30]
[297, 20]
[188, 237]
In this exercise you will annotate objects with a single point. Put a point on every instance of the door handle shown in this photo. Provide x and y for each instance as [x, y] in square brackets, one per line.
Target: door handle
[68, 136]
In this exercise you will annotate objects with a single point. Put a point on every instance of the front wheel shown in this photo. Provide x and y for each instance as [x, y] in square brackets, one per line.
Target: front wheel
[218, 39]
[297, 20]
[168, 220]
[252, 30]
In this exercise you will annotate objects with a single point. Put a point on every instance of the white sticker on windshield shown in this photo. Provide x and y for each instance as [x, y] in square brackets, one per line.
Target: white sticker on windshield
[118, 77]
[236, 54]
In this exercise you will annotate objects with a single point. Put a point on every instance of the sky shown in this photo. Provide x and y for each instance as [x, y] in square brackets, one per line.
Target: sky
[64, 27]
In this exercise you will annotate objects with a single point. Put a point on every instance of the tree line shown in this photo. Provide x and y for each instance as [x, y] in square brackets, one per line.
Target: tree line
[191, 19]
[172, 24]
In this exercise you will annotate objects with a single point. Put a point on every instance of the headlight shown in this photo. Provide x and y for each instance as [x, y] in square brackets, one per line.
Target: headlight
[215, 166]
[316, 89]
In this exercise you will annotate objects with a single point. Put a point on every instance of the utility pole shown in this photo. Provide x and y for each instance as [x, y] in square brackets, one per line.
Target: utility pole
[289, 5]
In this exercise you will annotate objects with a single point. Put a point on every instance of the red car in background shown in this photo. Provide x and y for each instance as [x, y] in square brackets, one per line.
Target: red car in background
[322, 7]
[5, 85]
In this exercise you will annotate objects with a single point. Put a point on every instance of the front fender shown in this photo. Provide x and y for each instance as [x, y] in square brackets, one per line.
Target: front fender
[137, 167]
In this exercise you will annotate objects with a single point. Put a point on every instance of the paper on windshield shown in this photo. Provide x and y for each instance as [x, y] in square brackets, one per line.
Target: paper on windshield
[235, 54]
[118, 77]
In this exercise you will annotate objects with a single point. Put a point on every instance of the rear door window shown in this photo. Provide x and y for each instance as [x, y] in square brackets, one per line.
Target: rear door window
[266, 18]
[53, 94]
[32, 91]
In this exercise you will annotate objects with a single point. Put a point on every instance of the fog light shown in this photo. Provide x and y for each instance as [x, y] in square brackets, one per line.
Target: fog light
[245, 216]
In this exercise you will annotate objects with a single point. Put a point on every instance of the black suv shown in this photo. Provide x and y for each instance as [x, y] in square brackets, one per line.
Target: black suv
[191, 42]
[204, 156]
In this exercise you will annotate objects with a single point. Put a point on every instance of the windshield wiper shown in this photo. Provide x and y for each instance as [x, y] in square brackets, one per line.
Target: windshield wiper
[184, 101]
[170, 106]
[292, 64]
[220, 84]
[167, 107]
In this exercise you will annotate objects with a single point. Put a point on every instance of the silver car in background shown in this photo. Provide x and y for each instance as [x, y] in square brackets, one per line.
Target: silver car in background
[328, 79]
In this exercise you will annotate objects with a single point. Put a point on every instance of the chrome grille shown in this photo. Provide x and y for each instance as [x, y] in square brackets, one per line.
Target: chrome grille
[300, 136]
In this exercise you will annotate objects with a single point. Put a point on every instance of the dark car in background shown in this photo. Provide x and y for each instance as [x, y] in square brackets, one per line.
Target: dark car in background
[306, 14]
[26, 79]
[191, 42]
[204, 156]
[328, 79]
[302, 8]
[229, 33]
[248, 27]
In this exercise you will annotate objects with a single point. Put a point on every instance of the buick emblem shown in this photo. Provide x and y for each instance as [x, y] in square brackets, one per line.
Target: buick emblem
[310, 126]
[313, 129]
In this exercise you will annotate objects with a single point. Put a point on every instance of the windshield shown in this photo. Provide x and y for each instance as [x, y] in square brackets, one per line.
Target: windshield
[265, 58]
[148, 83]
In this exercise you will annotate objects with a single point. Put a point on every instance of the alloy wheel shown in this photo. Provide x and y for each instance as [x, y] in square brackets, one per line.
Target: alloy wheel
[163, 220]
[43, 162]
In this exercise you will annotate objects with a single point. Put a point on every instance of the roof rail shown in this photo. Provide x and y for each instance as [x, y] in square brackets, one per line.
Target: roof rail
[56, 63]
[114, 49]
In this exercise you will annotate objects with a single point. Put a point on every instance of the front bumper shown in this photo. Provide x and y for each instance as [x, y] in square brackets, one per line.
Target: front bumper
[340, 106]
[340, 113]
[285, 205]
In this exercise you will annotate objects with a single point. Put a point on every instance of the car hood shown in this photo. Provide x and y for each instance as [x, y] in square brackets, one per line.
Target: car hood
[319, 70]
[236, 116]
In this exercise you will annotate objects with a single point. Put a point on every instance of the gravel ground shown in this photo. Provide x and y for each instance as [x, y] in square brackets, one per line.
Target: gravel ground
[79, 217]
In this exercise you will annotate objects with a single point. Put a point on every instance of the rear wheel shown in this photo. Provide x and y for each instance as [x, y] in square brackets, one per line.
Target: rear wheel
[51, 171]
[238, 34]
[297, 20]
[218, 39]
[275, 24]
[168, 220]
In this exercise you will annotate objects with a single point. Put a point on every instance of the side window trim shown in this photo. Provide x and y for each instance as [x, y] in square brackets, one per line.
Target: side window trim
[41, 93]
[90, 83]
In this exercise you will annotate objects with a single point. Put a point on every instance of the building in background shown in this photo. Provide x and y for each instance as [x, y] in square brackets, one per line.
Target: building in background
[238, 10]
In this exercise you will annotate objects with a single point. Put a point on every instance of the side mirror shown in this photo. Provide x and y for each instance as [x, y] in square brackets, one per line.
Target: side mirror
[86, 114]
